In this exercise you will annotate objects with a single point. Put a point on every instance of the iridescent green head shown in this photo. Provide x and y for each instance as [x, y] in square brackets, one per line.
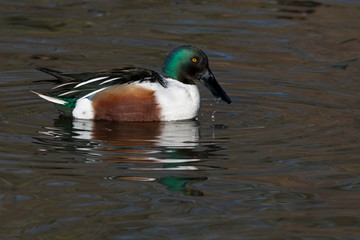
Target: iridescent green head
[188, 64]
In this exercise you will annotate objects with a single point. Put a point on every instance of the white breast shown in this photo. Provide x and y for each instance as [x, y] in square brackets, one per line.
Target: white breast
[178, 101]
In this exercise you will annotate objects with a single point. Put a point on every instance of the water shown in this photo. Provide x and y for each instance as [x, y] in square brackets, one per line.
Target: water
[280, 162]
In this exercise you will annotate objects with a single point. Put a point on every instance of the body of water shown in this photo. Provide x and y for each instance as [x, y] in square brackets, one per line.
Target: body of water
[282, 161]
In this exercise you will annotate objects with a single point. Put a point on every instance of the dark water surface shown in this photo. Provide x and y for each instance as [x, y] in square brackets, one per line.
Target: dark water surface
[282, 161]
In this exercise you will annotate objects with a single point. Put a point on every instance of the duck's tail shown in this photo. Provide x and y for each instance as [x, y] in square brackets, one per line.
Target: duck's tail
[58, 75]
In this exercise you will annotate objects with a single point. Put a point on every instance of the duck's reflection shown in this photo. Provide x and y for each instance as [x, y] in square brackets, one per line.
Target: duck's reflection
[169, 147]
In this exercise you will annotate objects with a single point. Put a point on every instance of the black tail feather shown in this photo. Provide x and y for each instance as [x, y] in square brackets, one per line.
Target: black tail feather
[58, 75]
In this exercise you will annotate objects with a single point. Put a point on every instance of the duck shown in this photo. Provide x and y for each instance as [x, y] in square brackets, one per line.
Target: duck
[136, 94]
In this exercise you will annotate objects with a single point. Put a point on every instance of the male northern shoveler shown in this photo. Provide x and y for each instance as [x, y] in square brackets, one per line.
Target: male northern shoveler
[137, 94]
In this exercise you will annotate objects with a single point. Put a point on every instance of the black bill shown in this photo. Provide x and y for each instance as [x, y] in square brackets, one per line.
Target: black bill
[208, 79]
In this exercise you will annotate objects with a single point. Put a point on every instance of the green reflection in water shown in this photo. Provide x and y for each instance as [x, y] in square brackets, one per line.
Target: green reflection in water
[180, 184]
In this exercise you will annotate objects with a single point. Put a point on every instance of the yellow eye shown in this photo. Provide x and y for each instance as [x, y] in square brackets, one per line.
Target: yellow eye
[194, 60]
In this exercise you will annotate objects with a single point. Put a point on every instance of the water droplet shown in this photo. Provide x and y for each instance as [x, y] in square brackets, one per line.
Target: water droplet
[213, 116]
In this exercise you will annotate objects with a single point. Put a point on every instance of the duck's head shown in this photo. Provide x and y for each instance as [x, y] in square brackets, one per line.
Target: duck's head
[187, 64]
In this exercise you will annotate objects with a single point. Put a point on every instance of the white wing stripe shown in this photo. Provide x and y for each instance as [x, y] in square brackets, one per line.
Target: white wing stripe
[92, 93]
[112, 79]
[69, 92]
[62, 85]
[90, 81]
[50, 99]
